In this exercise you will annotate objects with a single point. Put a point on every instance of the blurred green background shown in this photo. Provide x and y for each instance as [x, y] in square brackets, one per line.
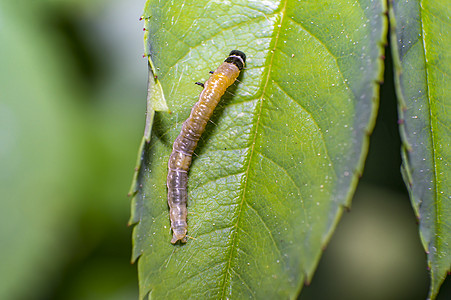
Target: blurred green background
[72, 109]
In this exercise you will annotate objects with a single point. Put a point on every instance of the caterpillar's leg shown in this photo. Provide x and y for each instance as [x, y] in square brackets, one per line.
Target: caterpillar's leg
[211, 72]
[200, 83]
[190, 237]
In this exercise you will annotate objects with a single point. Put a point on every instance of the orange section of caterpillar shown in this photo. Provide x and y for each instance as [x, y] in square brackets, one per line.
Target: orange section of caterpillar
[186, 142]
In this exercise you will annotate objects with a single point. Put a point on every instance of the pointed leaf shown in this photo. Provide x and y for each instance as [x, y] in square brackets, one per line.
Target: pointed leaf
[420, 43]
[282, 154]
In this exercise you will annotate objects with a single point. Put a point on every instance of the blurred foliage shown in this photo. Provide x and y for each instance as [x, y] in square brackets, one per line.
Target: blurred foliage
[72, 100]
[68, 138]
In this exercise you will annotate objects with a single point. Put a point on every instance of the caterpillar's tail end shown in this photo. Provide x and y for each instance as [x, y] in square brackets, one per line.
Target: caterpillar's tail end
[179, 235]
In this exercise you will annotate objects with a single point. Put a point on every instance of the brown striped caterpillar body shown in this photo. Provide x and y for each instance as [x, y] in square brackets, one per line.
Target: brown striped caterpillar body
[186, 142]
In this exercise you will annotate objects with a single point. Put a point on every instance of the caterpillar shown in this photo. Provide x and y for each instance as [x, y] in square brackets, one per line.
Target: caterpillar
[192, 129]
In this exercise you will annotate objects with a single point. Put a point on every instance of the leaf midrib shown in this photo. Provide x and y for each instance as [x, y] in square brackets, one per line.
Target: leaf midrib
[437, 204]
[233, 244]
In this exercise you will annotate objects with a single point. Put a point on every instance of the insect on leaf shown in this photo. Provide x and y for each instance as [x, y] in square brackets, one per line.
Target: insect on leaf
[282, 153]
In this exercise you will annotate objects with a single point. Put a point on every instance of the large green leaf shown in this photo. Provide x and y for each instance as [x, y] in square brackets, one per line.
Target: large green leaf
[421, 41]
[282, 154]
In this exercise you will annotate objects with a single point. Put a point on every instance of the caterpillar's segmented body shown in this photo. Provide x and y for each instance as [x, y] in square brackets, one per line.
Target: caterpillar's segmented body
[186, 142]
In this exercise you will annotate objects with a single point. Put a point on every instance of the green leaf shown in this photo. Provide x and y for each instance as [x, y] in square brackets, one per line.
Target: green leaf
[420, 42]
[284, 150]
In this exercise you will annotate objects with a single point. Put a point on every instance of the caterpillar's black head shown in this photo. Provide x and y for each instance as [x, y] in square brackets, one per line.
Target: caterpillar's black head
[237, 58]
